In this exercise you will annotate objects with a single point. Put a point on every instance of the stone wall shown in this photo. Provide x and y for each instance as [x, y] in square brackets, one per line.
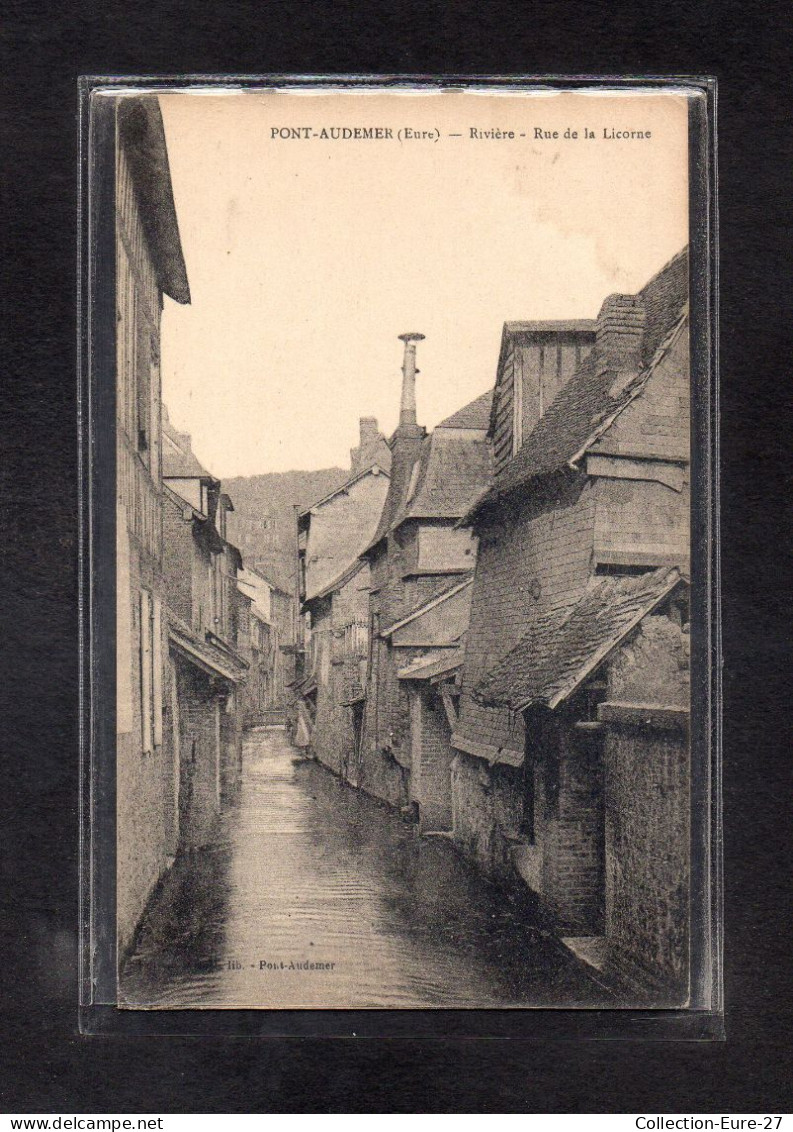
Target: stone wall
[326, 736]
[385, 771]
[486, 813]
[431, 756]
[568, 821]
[231, 721]
[536, 554]
[385, 762]
[142, 832]
[201, 768]
[179, 549]
[647, 812]
[340, 624]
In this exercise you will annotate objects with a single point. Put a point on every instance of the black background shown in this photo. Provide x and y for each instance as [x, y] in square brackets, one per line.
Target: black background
[47, 1066]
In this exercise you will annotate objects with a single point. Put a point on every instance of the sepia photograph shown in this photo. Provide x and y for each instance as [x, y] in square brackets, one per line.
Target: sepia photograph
[402, 386]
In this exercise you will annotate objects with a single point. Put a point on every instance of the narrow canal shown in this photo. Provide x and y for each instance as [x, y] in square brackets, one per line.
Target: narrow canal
[317, 896]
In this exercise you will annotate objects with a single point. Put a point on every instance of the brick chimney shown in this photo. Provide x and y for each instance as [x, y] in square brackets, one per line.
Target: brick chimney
[619, 334]
[369, 439]
[368, 432]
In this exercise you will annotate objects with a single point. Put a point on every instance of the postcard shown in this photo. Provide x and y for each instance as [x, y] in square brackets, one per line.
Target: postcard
[403, 629]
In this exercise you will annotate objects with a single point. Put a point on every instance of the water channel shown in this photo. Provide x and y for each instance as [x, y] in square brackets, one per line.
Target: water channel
[315, 895]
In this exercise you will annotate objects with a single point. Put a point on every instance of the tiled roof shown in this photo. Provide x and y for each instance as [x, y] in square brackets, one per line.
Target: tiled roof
[452, 470]
[563, 648]
[142, 135]
[178, 459]
[205, 653]
[591, 397]
[429, 603]
[474, 415]
[182, 465]
[551, 325]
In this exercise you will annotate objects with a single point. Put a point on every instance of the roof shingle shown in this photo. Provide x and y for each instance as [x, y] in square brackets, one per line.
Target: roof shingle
[564, 647]
[475, 415]
[591, 396]
[452, 470]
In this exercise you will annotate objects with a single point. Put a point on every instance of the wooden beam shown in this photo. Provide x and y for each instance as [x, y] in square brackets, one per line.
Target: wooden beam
[451, 710]
[661, 717]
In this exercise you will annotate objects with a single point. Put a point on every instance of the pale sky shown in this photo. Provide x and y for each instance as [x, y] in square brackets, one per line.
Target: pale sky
[306, 258]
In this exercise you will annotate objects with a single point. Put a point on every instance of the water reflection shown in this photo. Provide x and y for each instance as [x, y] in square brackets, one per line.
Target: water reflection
[316, 896]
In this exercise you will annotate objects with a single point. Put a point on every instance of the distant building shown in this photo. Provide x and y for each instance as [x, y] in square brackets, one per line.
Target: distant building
[206, 618]
[427, 648]
[572, 765]
[268, 632]
[334, 594]
[419, 559]
[147, 263]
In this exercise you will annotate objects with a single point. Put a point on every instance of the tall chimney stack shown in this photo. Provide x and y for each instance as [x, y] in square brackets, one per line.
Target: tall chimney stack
[407, 408]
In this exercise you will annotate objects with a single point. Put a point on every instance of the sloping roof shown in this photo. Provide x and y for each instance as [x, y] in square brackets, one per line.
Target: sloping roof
[343, 488]
[592, 397]
[475, 415]
[251, 569]
[203, 653]
[182, 463]
[450, 472]
[336, 583]
[452, 469]
[437, 662]
[562, 649]
[550, 325]
[187, 508]
[143, 138]
[426, 606]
